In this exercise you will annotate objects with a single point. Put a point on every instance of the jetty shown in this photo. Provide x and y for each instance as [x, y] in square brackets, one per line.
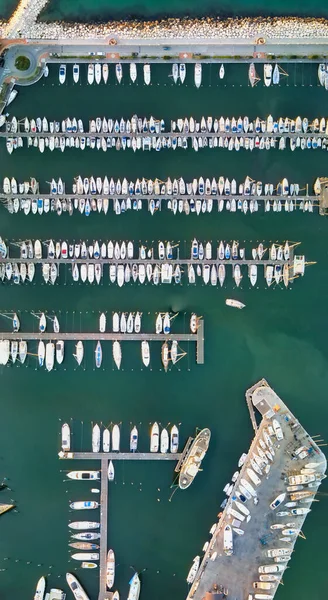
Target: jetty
[289, 452]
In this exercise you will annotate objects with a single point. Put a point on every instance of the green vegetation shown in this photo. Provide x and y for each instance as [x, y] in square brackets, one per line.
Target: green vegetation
[22, 63]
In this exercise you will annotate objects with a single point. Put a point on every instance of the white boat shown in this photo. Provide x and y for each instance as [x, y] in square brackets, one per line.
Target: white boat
[175, 72]
[116, 438]
[60, 346]
[164, 441]
[96, 438]
[117, 354]
[76, 588]
[50, 356]
[154, 438]
[41, 353]
[145, 353]
[91, 74]
[106, 440]
[40, 589]
[234, 303]
[88, 565]
[198, 74]
[42, 323]
[79, 352]
[76, 73]
[98, 355]
[84, 525]
[146, 70]
[102, 323]
[133, 439]
[85, 556]
[227, 541]
[133, 72]
[98, 73]
[110, 571]
[84, 505]
[134, 591]
[118, 72]
[193, 570]
[182, 72]
[174, 439]
[267, 74]
[66, 437]
[111, 471]
[62, 74]
[221, 72]
[277, 501]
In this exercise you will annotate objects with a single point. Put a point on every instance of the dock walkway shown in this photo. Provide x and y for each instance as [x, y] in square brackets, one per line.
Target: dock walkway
[163, 134]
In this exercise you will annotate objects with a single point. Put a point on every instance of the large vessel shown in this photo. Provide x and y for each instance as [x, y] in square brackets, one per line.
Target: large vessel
[77, 589]
[84, 474]
[134, 591]
[40, 589]
[110, 574]
[193, 460]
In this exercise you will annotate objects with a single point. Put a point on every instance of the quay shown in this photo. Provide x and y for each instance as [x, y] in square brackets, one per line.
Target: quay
[235, 572]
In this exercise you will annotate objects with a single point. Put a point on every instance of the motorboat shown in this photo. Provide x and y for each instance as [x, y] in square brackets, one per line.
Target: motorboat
[193, 459]
[117, 354]
[133, 72]
[145, 353]
[133, 439]
[76, 588]
[198, 75]
[40, 589]
[106, 440]
[86, 535]
[85, 556]
[84, 505]
[154, 438]
[84, 546]
[116, 438]
[134, 591]
[79, 348]
[174, 439]
[221, 72]
[60, 351]
[111, 471]
[164, 441]
[66, 437]
[267, 74]
[277, 501]
[118, 72]
[147, 75]
[227, 540]
[83, 475]
[88, 565]
[91, 74]
[96, 438]
[50, 356]
[98, 355]
[62, 74]
[193, 570]
[84, 525]
[102, 323]
[76, 73]
[110, 571]
[234, 303]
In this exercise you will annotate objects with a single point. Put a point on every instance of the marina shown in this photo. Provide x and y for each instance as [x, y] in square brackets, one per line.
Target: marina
[239, 551]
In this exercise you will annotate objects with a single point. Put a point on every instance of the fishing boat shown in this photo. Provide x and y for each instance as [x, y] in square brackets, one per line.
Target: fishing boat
[110, 571]
[66, 437]
[193, 570]
[198, 75]
[234, 303]
[133, 439]
[164, 441]
[154, 438]
[134, 591]
[145, 353]
[84, 525]
[116, 438]
[193, 459]
[40, 589]
[96, 438]
[84, 505]
[146, 71]
[111, 471]
[98, 355]
[83, 475]
[227, 541]
[117, 354]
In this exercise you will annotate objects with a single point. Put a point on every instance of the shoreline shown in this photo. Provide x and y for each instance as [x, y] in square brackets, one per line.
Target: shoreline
[216, 28]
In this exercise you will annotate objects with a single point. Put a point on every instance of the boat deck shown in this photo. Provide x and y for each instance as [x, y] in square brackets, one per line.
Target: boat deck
[237, 572]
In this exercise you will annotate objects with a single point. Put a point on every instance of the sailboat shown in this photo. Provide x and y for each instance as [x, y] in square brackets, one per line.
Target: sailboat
[41, 353]
[96, 438]
[42, 323]
[117, 354]
[276, 75]
[16, 323]
[175, 72]
[221, 72]
[79, 352]
[145, 353]
[134, 591]
[252, 75]
[40, 589]
[165, 356]
[111, 471]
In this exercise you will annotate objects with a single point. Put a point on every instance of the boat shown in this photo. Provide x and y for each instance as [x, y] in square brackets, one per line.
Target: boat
[98, 355]
[193, 459]
[227, 541]
[111, 471]
[84, 505]
[76, 587]
[134, 591]
[110, 572]
[198, 75]
[106, 440]
[40, 589]
[91, 74]
[42, 323]
[87, 535]
[79, 352]
[83, 475]
[252, 75]
[234, 303]
[116, 438]
[146, 71]
[193, 570]
[118, 72]
[277, 501]
[276, 75]
[175, 72]
[117, 354]
[76, 73]
[60, 351]
[102, 323]
[96, 438]
[221, 72]
[133, 439]
[154, 438]
[62, 74]
[174, 439]
[50, 356]
[84, 525]
[193, 323]
[88, 565]
[133, 72]
[84, 546]
[145, 353]
[65, 437]
[267, 74]
[182, 72]
[164, 441]
[165, 356]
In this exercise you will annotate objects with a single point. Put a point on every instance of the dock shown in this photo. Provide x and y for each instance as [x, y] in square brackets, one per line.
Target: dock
[164, 134]
[234, 573]
[121, 456]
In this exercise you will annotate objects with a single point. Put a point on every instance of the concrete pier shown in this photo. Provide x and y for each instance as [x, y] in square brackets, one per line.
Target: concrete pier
[235, 572]
[120, 456]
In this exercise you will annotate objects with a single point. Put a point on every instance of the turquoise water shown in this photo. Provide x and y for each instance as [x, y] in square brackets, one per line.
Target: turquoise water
[280, 335]
[102, 10]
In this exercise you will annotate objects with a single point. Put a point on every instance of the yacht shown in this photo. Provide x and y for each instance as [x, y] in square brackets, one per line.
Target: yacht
[145, 353]
[65, 437]
[134, 591]
[133, 439]
[40, 589]
[198, 74]
[62, 74]
[110, 572]
[76, 73]
[154, 438]
[96, 438]
[193, 459]
[193, 570]
[111, 471]
[76, 588]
